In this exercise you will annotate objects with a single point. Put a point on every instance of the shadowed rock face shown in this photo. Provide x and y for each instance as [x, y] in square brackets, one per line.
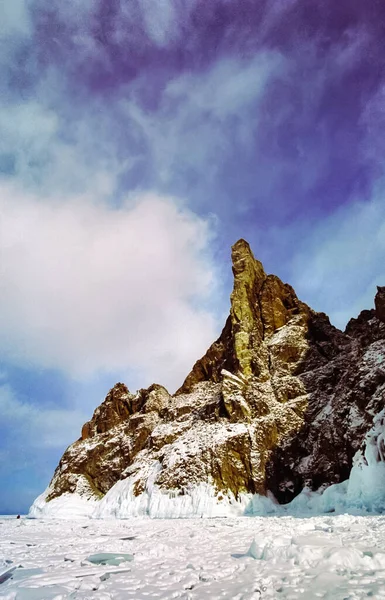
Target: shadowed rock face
[379, 303]
[281, 399]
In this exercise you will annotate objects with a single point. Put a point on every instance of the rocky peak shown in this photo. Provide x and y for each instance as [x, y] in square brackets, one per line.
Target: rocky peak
[119, 405]
[260, 304]
[248, 272]
[369, 326]
[280, 399]
[245, 313]
[115, 408]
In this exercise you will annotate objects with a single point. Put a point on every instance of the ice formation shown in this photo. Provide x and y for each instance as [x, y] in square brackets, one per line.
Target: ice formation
[67, 506]
[110, 558]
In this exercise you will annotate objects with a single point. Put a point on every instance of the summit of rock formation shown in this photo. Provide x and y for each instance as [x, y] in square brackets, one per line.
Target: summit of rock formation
[281, 400]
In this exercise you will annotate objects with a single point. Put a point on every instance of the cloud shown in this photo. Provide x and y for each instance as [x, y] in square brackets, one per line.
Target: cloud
[46, 144]
[373, 122]
[15, 18]
[341, 260]
[160, 20]
[86, 287]
[202, 118]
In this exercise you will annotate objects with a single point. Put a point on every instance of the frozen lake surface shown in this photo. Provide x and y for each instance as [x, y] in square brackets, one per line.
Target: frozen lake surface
[339, 557]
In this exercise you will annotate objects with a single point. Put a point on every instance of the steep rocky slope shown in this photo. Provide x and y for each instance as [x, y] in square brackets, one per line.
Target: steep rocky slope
[281, 400]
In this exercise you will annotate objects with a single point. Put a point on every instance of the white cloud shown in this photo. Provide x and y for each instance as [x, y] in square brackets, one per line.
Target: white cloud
[58, 148]
[231, 86]
[341, 260]
[86, 287]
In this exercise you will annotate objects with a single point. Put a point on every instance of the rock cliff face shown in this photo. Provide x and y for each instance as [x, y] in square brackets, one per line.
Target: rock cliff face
[281, 400]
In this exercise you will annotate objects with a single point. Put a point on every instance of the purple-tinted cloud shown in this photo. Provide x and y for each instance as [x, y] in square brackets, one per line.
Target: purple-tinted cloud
[304, 135]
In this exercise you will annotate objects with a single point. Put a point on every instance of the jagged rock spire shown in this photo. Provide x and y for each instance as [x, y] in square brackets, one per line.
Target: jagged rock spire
[245, 313]
[259, 305]
[280, 399]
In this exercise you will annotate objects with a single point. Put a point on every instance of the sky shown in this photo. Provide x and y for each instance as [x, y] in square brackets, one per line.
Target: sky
[139, 139]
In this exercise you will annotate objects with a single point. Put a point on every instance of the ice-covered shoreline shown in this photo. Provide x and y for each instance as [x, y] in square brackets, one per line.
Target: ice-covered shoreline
[362, 493]
[202, 501]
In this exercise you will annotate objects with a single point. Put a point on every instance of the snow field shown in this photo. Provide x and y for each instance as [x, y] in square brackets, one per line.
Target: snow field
[340, 557]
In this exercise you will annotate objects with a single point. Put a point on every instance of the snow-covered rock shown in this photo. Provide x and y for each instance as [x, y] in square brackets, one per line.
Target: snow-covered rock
[274, 411]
